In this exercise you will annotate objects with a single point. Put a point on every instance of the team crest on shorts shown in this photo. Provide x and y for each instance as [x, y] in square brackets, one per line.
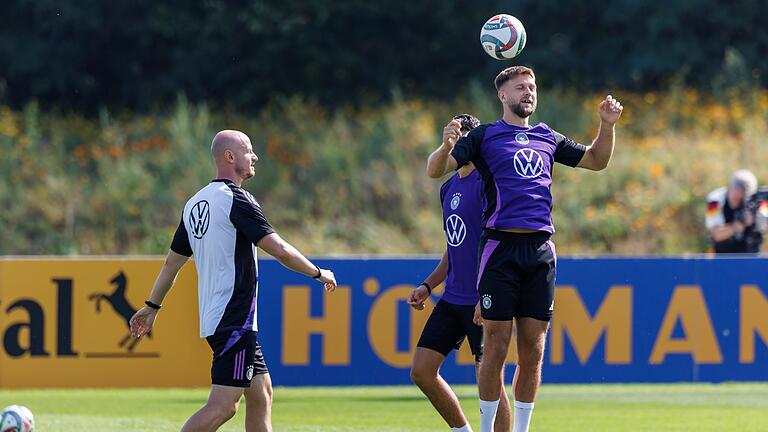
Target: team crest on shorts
[249, 372]
[521, 138]
[455, 201]
[487, 301]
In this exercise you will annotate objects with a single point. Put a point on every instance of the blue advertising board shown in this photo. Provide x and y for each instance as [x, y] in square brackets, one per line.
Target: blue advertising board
[616, 320]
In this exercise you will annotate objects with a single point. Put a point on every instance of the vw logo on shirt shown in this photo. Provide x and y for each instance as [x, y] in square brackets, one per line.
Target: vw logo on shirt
[528, 163]
[199, 218]
[455, 230]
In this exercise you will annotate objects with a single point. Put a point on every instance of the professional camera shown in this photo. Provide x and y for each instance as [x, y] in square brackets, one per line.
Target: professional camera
[757, 205]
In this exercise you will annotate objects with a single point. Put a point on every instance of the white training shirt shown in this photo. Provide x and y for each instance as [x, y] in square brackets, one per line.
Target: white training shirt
[220, 226]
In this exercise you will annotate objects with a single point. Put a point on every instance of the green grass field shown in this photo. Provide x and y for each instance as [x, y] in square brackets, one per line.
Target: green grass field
[572, 408]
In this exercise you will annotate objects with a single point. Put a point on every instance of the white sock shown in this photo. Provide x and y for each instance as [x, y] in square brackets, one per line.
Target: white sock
[523, 411]
[465, 428]
[488, 414]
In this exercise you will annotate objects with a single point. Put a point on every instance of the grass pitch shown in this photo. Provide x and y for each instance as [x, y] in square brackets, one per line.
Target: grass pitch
[573, 408]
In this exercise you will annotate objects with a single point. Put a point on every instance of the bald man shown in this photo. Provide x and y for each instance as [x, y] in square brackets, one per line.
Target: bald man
[222, 225]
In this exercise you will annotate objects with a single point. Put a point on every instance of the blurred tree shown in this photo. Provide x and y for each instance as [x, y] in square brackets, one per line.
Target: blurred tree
[83, 54]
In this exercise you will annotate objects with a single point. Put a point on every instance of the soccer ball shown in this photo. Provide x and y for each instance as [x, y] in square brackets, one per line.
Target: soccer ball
[16, 418]
[503, 37]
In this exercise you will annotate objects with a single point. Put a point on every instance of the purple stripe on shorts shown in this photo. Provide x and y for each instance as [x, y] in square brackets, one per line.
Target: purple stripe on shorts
[238, 375]
[495, 214]
[551, 245]
[242, 365]
[490, 246]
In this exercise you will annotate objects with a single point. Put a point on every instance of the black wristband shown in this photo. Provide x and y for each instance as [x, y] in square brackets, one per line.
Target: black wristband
[319, 272]
[429, 288]
[152, 305]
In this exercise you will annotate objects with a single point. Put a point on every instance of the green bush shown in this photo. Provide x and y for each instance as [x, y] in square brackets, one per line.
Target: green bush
[351, 180]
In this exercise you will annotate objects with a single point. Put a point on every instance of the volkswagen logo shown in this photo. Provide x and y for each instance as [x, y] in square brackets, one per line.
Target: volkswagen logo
[455, 230]
[199, 218]
[528, 163]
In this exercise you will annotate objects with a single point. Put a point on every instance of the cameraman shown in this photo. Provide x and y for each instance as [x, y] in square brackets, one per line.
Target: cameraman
[731, 216]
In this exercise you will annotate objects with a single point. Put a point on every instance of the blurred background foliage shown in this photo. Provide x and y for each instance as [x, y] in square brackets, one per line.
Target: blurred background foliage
[343, 181]
[107, 111]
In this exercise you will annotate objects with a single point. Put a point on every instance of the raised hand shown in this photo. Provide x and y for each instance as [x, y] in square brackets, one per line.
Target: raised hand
[610, 110]
[451, 133]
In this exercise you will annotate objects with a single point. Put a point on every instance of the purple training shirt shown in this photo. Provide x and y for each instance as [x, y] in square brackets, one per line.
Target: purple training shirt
[515, 164]
[462, 201]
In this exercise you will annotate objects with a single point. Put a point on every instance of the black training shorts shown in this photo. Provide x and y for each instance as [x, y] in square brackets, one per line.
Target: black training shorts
[447, 327]
[236, 359]
[516, 277]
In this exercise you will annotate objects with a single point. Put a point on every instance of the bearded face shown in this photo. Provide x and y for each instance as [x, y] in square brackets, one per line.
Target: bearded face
[519, 95]
[523, 109]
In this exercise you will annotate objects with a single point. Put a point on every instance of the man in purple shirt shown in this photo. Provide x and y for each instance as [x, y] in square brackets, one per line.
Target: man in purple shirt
[516, 272]
[455, 316]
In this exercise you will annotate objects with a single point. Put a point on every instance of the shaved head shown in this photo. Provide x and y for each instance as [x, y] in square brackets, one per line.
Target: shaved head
[233, 153]
[227, 140]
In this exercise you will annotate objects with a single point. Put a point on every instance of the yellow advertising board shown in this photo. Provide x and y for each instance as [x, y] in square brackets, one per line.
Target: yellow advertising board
[64, 323]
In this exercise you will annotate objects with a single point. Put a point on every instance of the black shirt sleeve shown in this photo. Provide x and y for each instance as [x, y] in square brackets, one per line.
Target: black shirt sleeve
[568, 151]
[467, 149]
[180, 243]
[246, 216]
